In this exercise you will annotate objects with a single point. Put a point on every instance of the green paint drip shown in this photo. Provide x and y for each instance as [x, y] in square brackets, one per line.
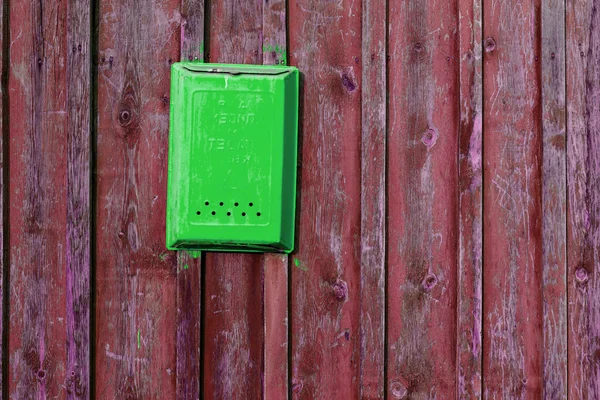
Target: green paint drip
[138, 337]
[280, 50]
[193, 253]
[186, 266]
[300, 265]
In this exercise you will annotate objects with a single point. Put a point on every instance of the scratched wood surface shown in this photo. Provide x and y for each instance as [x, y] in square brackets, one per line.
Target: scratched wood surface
[325, 44]
[48, 232]
[512, 255]
[470, 242]
[448, 207]
[583, 173]
[373, 200]
[234, 318]
[136, 287]
[422, 199]
[189, 279]
[554, 205]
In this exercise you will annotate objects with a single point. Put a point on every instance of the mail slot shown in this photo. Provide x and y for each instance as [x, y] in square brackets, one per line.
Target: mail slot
[233, 145]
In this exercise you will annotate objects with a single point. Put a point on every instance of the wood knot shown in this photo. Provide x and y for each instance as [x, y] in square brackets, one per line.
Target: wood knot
[429, 282]
[398, 390]
[340, 290]
[489, 45]
[41, 375]
[419, 47]
[429, 137]
[128, 109]
[348, 83]
[581, 275]
[297, 386]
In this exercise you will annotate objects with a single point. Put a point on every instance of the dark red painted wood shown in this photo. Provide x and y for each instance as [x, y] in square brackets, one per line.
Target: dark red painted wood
[189, 290]
[583, 173]
[136, 284]
[44, 264]
[470, 241]
[325, 43]
[79, 212]
[423, 198]
[373, 200]
[512, 200]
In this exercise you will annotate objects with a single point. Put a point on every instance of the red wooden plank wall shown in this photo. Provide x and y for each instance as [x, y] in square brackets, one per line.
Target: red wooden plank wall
[448, 208]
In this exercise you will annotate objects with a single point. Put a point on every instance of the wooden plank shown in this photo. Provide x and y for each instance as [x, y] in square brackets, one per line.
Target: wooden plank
[189, 290]
[79, 212]
[583, 171]
[275, 266]
[470, 240]
[512, 254]
[423, 199]
[373, 200]
[234, 316]
[325, 44]
[136, 277]
[554, 200]
[4, 192]
[40, 130]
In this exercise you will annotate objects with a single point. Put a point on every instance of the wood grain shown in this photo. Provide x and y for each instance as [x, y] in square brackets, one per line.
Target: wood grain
[40, 131]
[373, 200]
[135, 275]
[470, 241]
[325, 44]
[554, 200]
[4, 197]
[79, 233]
[276, 267]
[583, 215]
[512, 200]
[189, 290]
[423, 199]
[234, 318]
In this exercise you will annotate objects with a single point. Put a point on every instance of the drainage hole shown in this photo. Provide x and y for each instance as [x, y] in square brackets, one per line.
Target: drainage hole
[213, 213]
[243, 214]
[228, 214]
[258, 214]
[236, 204]
[250, 204]
[198, 213]
[221, 204]
[206, 203]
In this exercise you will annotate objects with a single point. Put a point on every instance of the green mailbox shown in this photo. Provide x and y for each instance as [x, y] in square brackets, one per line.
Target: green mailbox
[233, 147]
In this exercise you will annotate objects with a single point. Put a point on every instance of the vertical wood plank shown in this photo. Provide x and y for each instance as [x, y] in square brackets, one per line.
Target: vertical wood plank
[373, 199]
[136, 277]
[554, 200]
[189, 290]
[4, 197]
[78, 251]
[583, 173]
[513, 315]
[469, 283]
[325, 44]
[39, 139]
[234, 316]
[423, 199]
[276, 267]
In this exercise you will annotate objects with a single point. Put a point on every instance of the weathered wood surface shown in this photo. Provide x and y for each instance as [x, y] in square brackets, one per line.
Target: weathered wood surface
[422, 199]
[189, 281]
[512, 255]
[49, 226]
[325, 44]
[583, 177]
[470, 241]
[4, 223]
[136, 287]
[554, 205]
[373, 200]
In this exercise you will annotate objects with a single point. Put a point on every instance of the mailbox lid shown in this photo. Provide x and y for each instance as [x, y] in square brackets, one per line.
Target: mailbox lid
[232, 157]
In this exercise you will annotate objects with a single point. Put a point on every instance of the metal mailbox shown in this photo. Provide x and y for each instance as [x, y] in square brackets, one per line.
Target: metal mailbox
[233, 147]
